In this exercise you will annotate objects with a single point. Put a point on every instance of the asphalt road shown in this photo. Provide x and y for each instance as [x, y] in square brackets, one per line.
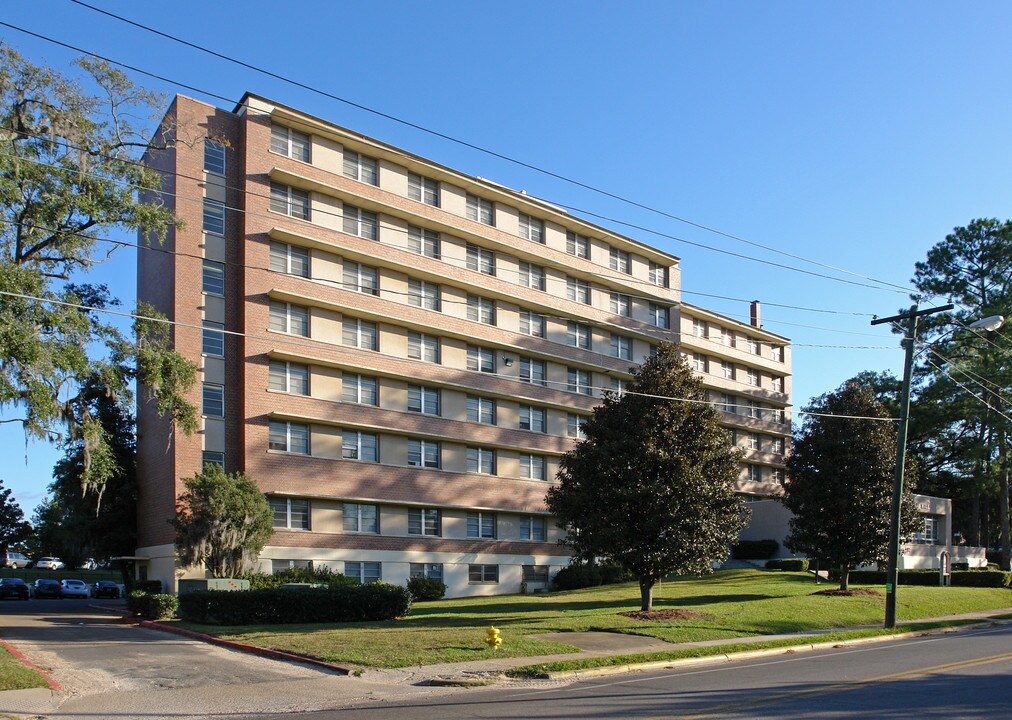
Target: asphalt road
[958, 675]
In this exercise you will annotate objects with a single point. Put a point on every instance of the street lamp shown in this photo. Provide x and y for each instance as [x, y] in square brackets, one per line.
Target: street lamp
[990, 323]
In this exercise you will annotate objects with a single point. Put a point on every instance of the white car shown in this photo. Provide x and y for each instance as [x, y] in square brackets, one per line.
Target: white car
[74, 588]
[49, 563]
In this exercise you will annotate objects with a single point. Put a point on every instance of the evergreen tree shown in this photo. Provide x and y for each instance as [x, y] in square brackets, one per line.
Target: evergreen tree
[651, 487]
[14, 530]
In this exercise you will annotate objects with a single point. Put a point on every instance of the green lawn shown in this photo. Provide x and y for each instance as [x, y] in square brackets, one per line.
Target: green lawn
[735, 603]
[15, 676]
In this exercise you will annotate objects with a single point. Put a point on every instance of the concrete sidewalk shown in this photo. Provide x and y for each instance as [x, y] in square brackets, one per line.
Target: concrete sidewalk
[333, 691]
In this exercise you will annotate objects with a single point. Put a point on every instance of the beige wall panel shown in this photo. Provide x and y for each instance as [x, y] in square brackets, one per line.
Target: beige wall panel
[452, 199]
[454, 301]
[325, 325]
[454, 457]
[393, 394]
[640, 350]
[600, 341]
[393, 285]
[454, 353]
[326, 516]
[551, 469]
[557, 422]
[393, 521]
[557, 376]
[555, 236]
[454, 524]
[507, 219]
[393, 178]
[394, 340]
[393, 450]
[214, 248]
[600, 251]
[508, 414]
[326, 266]
[327, 155]
[640, 267]
[509, 466]
[214, 370]
[325, 383]
[556, 330]
[326, 211]
[214, 434]
[394, 231]
[508, 316]
[555, 282]
[325, 441]
[454, 405]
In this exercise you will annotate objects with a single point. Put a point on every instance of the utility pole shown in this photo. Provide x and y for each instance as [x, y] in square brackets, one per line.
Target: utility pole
[892, 573]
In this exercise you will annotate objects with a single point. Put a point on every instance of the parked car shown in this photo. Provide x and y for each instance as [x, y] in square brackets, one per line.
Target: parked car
[49, 563]
[15, 560]
[48, 588]
[15, 588]
[74, 588]
[105, 589]
[88, 564]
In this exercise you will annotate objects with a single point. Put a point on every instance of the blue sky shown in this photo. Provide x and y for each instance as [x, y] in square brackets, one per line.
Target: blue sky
[853, 134]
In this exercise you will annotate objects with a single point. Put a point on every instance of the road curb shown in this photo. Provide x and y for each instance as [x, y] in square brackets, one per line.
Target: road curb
[746, 654]
[23, 659]
[244, 647]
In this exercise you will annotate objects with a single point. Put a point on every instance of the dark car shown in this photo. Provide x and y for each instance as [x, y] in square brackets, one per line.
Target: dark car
[48, 588]
[15, 588]
[105, 589]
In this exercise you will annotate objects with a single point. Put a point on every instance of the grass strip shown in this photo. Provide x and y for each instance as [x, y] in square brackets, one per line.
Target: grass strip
[16, 676]
[542, 669]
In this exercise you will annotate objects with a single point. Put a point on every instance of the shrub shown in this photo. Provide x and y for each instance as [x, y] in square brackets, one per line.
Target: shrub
[337, 603]
[789, 564]
[754, 549]
[981, 578]
[425, 589]
[612, 574]
[960, 566]
[154, 606]
[317, 575]
[575, 576]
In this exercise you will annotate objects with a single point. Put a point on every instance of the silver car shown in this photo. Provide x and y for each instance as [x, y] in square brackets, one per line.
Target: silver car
[74, 588]
[49, 563]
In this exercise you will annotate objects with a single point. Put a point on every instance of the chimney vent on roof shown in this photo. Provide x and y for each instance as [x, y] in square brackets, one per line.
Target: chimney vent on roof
[754, 314]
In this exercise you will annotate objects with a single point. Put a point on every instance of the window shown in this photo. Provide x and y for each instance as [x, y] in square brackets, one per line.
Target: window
[423, 347]
[288, 377]
[424, 242]
[425, 521]
[423, 400]
[360, 278]
[430, 571]
[361, 446]
[214, 217]
[289, 201]
[481, 460]
[534, 574]
[532, 228]
[282, 565]
[621, 347]
[210, 457]
[424, 453]
[752, 346]
[779, 416]
[578, 381]
[360, 334]
[574, 426]
[480, 358]
[928, 535]
[577, 244]
[213, 278]
[728, 403]
[423, 294]
[777, 446]
[533, 371]
[480, 210]
[290, 513]
[619, 260]
[578, 335]
[699, 328]
[360, 167]
[482, 574]
[289, 259]
[532, 276]
[777, 353]
[481, 309]
[480, 410]
[213, 400]
[480, 260]
[658, 315]
[617, 385]
[754, 441]
[364, 572]
[754, 473]
[620, 304]
[288, 437]
[533, 528]
[752, 377]
[213, 339]
[727, 370]
[359, 389]
[290, 143]
[778, 383]
[700, 363]
[481, 525]
[532, 418]
[777, 476]
[360, 223]
[752, 409]
[532, 467]
[214, 156]
[658, 274]
[423, 189]
[360, 518]
[578, 290]
[531, 323]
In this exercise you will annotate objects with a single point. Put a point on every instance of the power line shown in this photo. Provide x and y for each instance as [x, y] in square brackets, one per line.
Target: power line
[882, 285]
[979, 399]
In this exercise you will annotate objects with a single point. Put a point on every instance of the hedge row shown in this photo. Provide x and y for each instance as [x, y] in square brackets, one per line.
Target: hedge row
[960, 578]
[754, 549]
[573, 577]
[153, 606]
[341, 603]
[426, 589]
[790, 564]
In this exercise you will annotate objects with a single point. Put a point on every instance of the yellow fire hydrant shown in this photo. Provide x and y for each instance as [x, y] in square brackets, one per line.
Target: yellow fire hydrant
[492, 638]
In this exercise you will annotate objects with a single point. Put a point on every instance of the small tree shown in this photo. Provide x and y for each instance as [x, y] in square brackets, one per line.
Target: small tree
[651, 487]
[841, 479]
[14, 530]
[222, 522]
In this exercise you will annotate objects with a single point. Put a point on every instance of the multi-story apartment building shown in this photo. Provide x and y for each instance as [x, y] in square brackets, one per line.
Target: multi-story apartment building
[399, 353]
